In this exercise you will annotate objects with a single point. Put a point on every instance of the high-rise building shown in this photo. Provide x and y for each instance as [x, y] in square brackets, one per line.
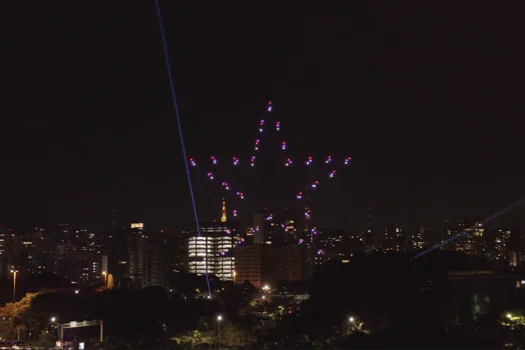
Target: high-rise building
[136, 239]
[212, 251]
[393, 239]
[250, 261]
[471, 243]
[261, 228]
[417, 240]
[82, 267]
[155, 263]
[262, 264]
[118, 246]
[5, 249]
[283, 228]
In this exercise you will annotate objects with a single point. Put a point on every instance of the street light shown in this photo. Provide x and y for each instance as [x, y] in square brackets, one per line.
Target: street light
[55, 320]
[77, 291]
[15, 273]
[219, 319]
[351, 321]
[105, 279]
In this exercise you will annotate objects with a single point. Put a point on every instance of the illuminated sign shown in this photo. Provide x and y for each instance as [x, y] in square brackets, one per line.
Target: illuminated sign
[137, 225]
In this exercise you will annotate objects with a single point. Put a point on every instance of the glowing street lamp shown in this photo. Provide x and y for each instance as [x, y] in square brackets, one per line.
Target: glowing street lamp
[351, 321]
[219, 319]
[55, 320]
[105, 279]
[15, 273]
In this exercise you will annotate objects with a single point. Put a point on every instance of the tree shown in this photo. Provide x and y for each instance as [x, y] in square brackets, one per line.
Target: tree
[195, 339]
[232, 335]
[19, 313]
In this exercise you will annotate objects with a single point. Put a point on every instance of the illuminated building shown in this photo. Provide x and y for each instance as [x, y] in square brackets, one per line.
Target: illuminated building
[248, 235]
[212, 252]
[136, 240]
[393, 239]
[290, 230]
[500, 249]
[286, 228]
[471, 243]
[82, 267]
[5, 239]
[417, 240]
[270, 229]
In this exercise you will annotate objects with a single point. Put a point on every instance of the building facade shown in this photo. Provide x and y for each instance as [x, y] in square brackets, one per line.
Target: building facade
[212, 251]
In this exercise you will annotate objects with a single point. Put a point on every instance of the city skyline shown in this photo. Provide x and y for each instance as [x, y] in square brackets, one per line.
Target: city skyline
[293, 175]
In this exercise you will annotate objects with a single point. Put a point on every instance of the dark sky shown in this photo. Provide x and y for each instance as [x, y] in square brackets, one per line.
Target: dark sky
[427, 99]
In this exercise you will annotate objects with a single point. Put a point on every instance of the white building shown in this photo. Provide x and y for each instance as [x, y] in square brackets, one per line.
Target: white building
[213, 251]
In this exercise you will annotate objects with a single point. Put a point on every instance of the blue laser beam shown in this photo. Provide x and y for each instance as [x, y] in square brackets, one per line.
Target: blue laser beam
[179, 124]
[470, 229]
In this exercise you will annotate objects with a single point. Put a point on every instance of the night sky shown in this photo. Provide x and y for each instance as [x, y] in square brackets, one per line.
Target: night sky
[428, 101]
